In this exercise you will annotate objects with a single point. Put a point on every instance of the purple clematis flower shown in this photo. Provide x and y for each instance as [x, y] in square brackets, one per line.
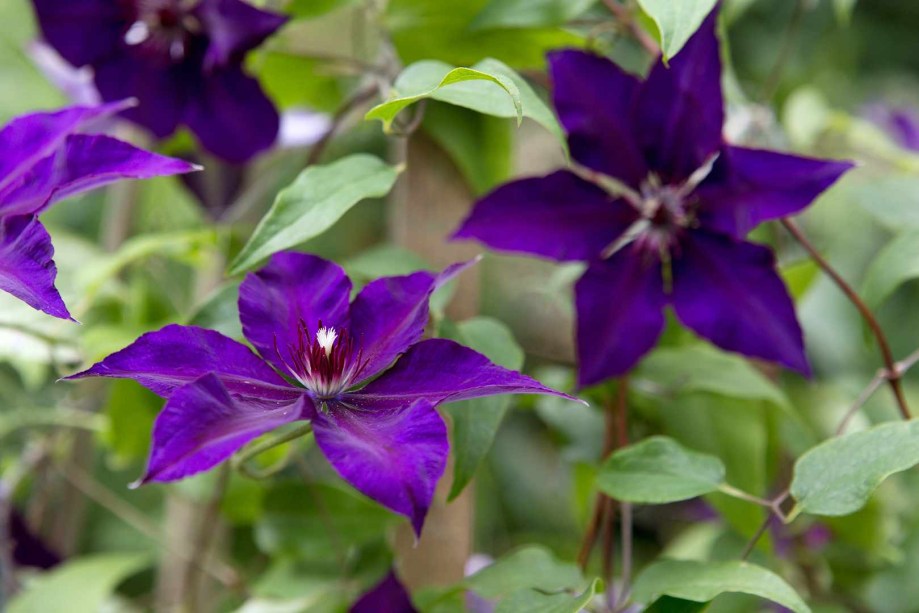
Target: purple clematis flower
[43, 159]
[659, 209]
[322, 360]
[181, 58]
[387, 596]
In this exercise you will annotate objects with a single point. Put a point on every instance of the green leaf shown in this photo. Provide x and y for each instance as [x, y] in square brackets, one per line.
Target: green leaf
[838, 476]
[676, 21]
[892, 199]
[384, 260]
[476, 422]
[528, 13]
[80, 585]
[897, 263]
[306, 9]
[667, 604]
[428, 78]
[703, 581]
[532, 567]
[537, 601]
[659, 470]
[313, 203]
[131, 410]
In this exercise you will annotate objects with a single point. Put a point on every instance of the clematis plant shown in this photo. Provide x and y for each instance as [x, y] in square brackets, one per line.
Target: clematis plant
[322, 360]
[659, 206]
[387, 596]
[181, 59]
[43, 159]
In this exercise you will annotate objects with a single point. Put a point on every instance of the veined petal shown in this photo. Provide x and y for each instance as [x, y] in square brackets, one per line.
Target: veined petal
[202, 425]
[749, 186]
[174, 356]
[620, 303]
[394, 455]
[387, 596]
[680, 111]
[27, 269]
[440, 370]
[291, 288]
[234, 27]
[559, 216]
[231, 115]
[594, 98]
[83, 31]
[389, 315]
[729, 292]
[83, 163]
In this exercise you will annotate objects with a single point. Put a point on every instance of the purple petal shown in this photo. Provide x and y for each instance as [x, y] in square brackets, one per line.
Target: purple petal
[749, 186]
[234, 27]
[162, 91]
[901, 124]
[177, 355]
[27, 269]
[83, 163]
[439, 370]
[680, 110]
[387, 596]
[394, 455]
[559, 216]
[729, 292]
[29, 138]
[232, 116]
[83, 31]
[594, 98]
[28, 547]
[202, 425]
[390, 314]
[291, 288]
[620, 304]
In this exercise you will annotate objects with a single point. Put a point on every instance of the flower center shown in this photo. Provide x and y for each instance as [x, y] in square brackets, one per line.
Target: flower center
[163, 29]
[324, 363]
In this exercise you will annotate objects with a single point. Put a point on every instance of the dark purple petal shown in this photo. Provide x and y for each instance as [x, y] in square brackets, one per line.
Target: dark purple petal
[680, 111]
[559, 216]
[729, 292]
[390, 314]
[28, 547]
[439, 370]
[234, 27]
[749, 186]
[27, 269]
[291, 288]
[29, 138]
[620, 304]
[394, 455]
[162, 90]
[83, 31]
[202, 425]
[387, 596]
[232, 116]
[83, 163]
[594, 98]
[176, 355]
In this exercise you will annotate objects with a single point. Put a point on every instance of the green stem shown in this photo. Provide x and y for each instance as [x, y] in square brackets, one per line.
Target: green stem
[239, 461]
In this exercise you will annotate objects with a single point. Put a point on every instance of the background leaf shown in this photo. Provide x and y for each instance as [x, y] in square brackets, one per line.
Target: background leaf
[676, 21]
[528, 13]
[895, 264]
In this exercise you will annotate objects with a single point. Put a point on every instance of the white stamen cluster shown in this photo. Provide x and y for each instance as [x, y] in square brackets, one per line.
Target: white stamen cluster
[326, 337]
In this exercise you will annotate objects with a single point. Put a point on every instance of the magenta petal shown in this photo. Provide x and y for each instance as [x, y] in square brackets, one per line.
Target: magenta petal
[83, 31]
[234, 27]
[232, 116]
[439, 370]
[83, 163]
[594, 98]
[387, 596]
[27, 269]
[620, 304]
[729, 292]
[176, 355]
[291, 288]
[680, 110]
[559, 216]
[390, 314]
[749, 186]
[394, 455]
[203, 425]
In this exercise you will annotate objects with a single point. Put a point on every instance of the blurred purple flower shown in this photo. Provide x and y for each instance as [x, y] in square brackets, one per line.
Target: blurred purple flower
[183, 60]
[900, 123]
[388, 596]
[375, 422]
[662, 219]
[28, 548]
[44, 159]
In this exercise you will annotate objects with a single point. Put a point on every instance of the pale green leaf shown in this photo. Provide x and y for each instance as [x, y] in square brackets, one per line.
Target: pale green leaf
[538, 601]
[528, 13]
[314, 202]
[531, 567]
[676, 20]
[897, 263]
[703, 581]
